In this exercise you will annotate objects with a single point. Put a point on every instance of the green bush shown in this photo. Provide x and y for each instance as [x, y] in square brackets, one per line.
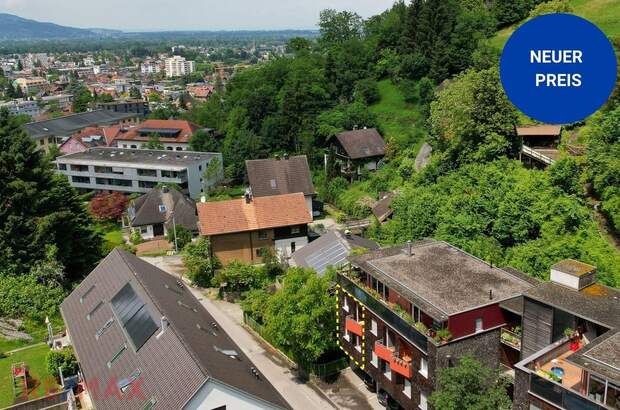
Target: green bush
[184, 236]
[25, 297]
[135, 237]
[240, 277]
[64, 358]
[200, 264]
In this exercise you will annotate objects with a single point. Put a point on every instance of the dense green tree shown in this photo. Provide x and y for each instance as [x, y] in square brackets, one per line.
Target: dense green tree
[199, 261]
[470, 385]
[204, 141]
[134, 92]
[240, 277]
[339, 27]
[154, 142]
[368, 90]
[472, 120]
[38, 208]
[182, 234]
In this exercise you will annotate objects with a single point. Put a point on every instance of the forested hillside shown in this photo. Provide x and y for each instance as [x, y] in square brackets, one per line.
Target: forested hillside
[427, 71]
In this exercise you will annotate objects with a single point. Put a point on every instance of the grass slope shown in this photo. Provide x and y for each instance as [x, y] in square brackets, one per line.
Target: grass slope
[604, 13]
[40, 380]
[398, 119]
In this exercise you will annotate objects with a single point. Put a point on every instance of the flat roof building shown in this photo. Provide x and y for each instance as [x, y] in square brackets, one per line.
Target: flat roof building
[133, 170]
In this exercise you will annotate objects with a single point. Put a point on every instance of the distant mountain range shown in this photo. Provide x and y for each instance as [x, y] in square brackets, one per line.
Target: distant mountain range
[17, 28]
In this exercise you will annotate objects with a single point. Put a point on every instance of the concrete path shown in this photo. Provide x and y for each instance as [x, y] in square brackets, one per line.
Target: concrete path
[298, 394]
[423, 157]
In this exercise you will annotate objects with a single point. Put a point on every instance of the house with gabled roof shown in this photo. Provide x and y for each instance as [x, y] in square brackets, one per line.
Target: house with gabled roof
[144, 341]
[243, 229]
[278, 176]
[358, 150]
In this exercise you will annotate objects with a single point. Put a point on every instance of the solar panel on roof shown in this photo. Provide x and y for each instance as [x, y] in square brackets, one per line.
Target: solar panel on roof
[333, 255]
[133, 316]
[161, 131]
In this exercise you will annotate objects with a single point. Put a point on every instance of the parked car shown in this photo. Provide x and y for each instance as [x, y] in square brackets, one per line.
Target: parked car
[386, 400]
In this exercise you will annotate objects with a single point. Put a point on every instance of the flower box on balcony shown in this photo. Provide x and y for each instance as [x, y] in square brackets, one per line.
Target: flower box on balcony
[384, 352]
[354, 326]
[402, 366]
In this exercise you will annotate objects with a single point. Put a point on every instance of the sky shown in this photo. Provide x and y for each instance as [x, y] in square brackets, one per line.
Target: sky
[155, 15]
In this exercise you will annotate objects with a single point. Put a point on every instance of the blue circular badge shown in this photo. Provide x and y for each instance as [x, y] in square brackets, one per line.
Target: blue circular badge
[558, 68]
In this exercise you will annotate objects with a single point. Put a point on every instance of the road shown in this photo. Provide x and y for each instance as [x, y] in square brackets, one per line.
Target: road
[298, 394]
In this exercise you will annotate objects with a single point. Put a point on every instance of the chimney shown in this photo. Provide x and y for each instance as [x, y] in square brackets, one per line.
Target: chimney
[164, 326]
[573, 274]
[409, 249]
[248, 195]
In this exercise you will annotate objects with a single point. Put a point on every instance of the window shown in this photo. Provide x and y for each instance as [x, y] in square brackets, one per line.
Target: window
[295, 230]
[613, 396]
[179, 148]
[387, 372]
[423, 401]
[199, 167]
[169, 148]
[117, 355]
[123, 385]
[374, 359]
[345, 305]
[80, 180]
[262, 235]
[416, 314]
[407, 388]
[273, 184]
[479, 325]
[41, 142]
[133, 146]
[147, 172]
[423, 367]
[62, 167]
[347, 336]
[358, 343]
[596, 390]
[144, 229]
[373, 327]
[149, 404]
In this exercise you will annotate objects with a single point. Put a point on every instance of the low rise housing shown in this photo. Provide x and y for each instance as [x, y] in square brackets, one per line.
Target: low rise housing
[21, 106]
[277, 176]
[131, 170]
[57, 130]
[173, 135]
[241, 229]
[144, 341]
[90, 137]
[540, 144]
[31, 85]
[157, 212]
[408, 311]
[358, 151]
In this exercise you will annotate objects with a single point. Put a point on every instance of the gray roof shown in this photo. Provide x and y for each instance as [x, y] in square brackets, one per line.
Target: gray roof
[145, 210]
[465, 280]
[65, 126]
[602, 356]
[364, 143]
[382, 208]
[515, 305]
[596, 303]
[279, 176]
[331, 249]
[173, 365]
[134, 157]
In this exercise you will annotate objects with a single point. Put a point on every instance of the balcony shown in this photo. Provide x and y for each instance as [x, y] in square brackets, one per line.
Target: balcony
[384, 352]
[402, 366]
[391, 318]
[354, 326]
[511, 339]
[557, 380]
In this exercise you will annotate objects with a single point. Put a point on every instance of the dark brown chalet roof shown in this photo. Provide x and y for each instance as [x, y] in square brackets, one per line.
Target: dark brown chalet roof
[381, 209]
[279, 176]
[145, 210]
[175, 364]
[364, 143]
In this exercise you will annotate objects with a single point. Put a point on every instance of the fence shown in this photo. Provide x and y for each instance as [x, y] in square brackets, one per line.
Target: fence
[321, 370]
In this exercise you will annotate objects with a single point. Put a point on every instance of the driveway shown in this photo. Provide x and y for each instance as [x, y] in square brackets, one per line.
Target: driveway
[298, 394]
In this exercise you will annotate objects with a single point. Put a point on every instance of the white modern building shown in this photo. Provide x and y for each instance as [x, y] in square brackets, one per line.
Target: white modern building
[132, 170]
[150, 67]
[178, 66]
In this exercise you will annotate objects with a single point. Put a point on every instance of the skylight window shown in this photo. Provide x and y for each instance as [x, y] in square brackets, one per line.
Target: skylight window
[123, 385]
[162, 208]
[150, 404]
[93, 310]
[105, 327]
[90, 289]
[117, 355]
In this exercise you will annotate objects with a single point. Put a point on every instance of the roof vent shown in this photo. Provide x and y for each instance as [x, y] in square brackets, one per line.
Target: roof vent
[164, 325]
[254, 372]
[490, 294]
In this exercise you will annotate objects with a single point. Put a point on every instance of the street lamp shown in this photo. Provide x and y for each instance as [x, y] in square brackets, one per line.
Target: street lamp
[174, 228]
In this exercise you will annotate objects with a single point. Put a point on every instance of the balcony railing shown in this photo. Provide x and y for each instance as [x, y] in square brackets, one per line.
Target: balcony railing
[558, 395]
[510, 338]
[391, 318]
[398, 364]
[354, 326]
[384, 352]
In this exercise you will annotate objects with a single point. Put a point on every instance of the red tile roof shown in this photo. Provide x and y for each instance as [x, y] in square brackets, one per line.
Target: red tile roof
[235, 215]
[109, 133]
[187, 129]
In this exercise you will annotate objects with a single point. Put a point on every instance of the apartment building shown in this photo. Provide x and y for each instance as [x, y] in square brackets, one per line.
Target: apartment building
[130, 170]
[570, 343]
[150, 67]
[31, 85]
[173, 135]
[64, 101]
[178, 66]
[406, 312]
[21, 106]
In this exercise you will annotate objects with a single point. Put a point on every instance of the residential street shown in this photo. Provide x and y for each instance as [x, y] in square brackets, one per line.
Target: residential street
[347, 392]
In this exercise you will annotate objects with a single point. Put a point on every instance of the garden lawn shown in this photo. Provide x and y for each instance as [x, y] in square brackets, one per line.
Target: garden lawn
[40, 380]
[112, 234]
[398, 119]
[604, 13]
